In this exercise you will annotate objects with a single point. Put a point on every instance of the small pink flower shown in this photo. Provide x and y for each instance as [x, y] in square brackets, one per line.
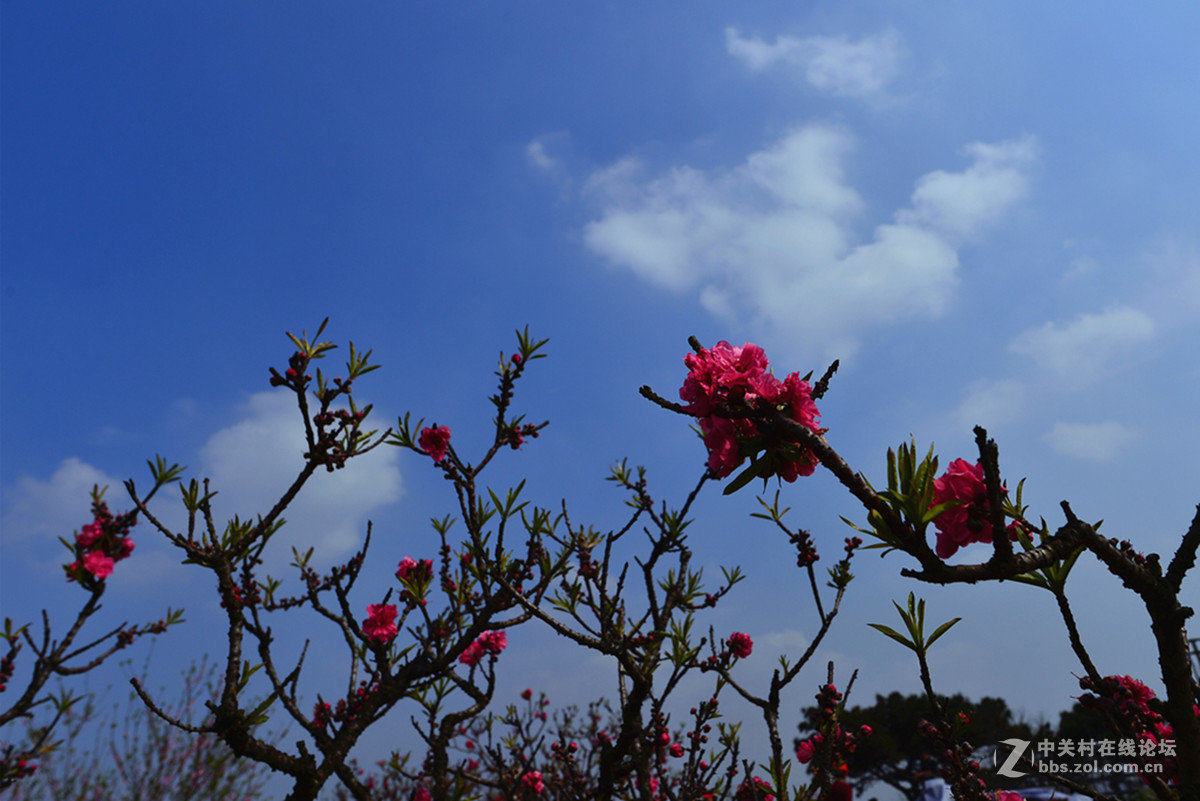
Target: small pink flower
[1007, 795]
[472, 655]
[676, 750]
[422, 794]
[90, 534]
[527, 694]
[490, 642]
[98, 564]
[493, 642]
[405, 567]
[380, 624]
[127, 546]
[806, 749]
[533, 781]
[725, 376]
[968, 522]
[434, 441]
[411, 569]
[740, 644]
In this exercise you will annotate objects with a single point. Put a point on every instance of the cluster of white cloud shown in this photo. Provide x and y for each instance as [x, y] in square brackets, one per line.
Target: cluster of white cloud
[772, 245]
[1068, 357]
[1084, 349]
[829, 63]
[771, 242]
[1093, 442]
[251, 463]
[58, 506]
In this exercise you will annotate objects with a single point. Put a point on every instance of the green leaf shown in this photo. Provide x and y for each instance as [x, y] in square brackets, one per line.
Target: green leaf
[895, 635]
[744, 478]
[940, 630]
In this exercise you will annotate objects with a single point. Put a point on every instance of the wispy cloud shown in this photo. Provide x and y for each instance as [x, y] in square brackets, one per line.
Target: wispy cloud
[1087, 347]
[990, 402]
[770, 243]
[59, 506]
[253, 461]
[961, 204]
[832, 64]
[1067, 357]
[1093, 442]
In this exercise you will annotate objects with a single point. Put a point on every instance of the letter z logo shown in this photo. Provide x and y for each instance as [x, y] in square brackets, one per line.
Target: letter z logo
[1007, 769]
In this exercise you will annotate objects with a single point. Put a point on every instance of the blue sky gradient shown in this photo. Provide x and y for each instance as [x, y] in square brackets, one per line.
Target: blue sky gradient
[985, 210]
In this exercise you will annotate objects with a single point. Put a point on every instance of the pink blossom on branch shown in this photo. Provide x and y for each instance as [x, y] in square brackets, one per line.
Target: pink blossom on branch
[490, 642]
[90, 534]
[380, 624]
[434, 441]
[723, 377]
[970, 521]
[98, 564]
[806, 749]
[740, 644]
[493, 642]
[533, 781]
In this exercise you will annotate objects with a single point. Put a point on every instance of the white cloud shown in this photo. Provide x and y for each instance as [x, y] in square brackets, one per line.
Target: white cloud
[830, 63]
[770, 242]
[960, 204]
[1088, 346]
[1093, 442]
[58, 506]
[252, 463]
[988, 403]
[535, 153]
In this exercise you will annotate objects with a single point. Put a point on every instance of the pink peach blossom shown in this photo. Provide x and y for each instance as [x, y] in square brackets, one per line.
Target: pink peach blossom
[740, 644]
[98, 564]
[434, 441]
[380, 624]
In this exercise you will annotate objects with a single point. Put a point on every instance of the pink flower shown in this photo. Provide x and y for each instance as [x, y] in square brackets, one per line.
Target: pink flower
[410, 569]
[490, 642]
[493, 642]
[380, 624]
[724, 377]
[90, 534]
[1008, 795]
[1139, 694]
[715, 371]
[533, 781]
[806, 749]
[126, 548]
[740, 644]
[434, 441]
[405, 567]
[968, 522]
[721, 439]
[98, 564]
[676, 750]
[527, 693]
[472, 655]
[422, 794]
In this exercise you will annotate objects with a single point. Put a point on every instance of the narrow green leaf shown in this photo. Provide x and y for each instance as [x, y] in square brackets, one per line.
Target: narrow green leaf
[895, 635]
[940, 630]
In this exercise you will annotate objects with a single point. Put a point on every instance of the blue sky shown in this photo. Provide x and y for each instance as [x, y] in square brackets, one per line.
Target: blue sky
[985, 210]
